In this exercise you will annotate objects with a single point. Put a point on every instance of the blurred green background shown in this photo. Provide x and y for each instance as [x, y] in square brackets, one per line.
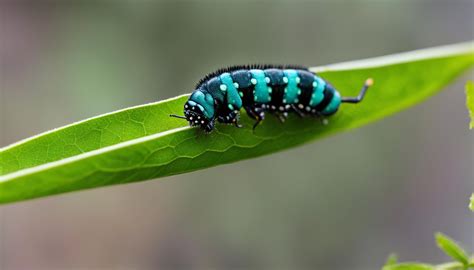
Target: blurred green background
[342, 203]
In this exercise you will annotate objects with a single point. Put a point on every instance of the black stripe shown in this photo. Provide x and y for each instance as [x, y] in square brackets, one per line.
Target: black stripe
[328, 94]
[243, 77]
[305, 97]
[277, 84]
[248, 97]
[306, 86]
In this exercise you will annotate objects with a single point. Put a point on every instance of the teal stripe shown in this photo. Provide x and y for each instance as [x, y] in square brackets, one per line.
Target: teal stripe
[232, 93]
[261, 93]
[204, 100]
[318, 91]
[291, 91]
[333, 104]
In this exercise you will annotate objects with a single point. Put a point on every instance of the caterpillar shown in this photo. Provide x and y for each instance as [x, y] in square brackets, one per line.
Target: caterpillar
[262, 88]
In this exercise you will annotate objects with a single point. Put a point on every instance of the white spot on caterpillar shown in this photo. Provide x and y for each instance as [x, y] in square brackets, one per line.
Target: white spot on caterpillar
[308, 108]
[285, 79]
[298, 80]
[253, 81]
[267, 80]
[236, 85]
[300, 106]
[223, 87]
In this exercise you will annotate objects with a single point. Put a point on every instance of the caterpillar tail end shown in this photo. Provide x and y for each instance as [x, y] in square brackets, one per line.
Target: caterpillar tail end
[369, 82]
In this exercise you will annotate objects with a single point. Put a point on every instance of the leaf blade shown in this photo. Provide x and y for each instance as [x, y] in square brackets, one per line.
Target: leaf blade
[177, 149]
[451, 248]
[409, 266]
[91, 134]
[471, 203]
[391, 260]
[470, 102]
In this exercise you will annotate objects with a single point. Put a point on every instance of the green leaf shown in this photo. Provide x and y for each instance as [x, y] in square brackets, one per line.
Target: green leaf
[391, 260]
[471, 204]
[450, 266]
[143, 143]
[452, 249]
[470, 102]
[409, 266]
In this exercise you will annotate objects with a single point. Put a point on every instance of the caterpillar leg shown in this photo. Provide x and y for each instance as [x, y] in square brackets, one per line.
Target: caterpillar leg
[323, 120]
[256, 113]
[369, 82]
[281, 116]
[260, 118]
[298, 111]
[230, 117]
[209, 127]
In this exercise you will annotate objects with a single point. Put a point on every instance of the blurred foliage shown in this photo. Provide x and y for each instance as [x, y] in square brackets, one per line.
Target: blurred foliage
[452, 249]
[448, 246]
[470, 101]
[471, 204]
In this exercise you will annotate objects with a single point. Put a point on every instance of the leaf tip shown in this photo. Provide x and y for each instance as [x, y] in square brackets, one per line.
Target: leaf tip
[470, 102]
[471, 204]
[451, 248]
[392, 259]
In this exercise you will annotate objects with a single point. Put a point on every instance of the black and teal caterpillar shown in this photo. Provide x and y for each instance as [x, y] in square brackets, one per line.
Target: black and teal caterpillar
[259, 89]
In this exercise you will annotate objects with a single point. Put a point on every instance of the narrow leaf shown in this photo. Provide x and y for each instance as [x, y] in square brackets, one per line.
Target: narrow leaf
[142, 142]
[470, 102]
[451, 248]
[392, 259]
[471, 204]
[409, 266]
[450, 266]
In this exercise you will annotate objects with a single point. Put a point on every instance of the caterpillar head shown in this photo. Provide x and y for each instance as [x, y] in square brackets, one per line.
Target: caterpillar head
[199, 110]
[196, 116]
